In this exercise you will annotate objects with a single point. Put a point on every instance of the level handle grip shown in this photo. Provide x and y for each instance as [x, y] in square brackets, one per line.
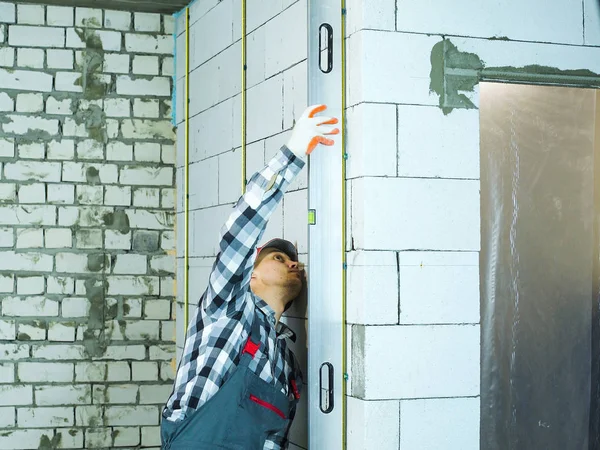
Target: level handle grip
[326, 388]
[326, 48]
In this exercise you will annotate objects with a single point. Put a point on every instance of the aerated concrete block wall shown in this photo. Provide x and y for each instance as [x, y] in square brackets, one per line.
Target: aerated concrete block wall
[276, 95]
[87, 238]
[413, 138]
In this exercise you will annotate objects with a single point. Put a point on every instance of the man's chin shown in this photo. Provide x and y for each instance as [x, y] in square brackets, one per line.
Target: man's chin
[294, 288]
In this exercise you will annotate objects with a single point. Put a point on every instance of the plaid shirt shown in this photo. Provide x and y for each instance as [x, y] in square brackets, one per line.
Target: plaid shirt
[222, 323]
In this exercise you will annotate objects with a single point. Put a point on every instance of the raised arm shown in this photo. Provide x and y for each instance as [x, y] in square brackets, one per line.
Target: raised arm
[243, 230]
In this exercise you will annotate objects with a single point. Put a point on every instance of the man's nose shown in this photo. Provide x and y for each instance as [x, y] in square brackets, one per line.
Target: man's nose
[293, 264]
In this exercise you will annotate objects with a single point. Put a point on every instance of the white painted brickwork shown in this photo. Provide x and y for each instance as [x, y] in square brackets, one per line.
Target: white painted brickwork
[86, 272]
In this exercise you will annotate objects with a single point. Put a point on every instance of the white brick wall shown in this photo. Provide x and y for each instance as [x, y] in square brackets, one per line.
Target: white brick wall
[440, 423]
[415, 362]
[368, 123]
[375, 15]
[73, 281]
[439, 287]
[451, 152]
[591, 22]
[564, 25]
[59, 16]
[372, 274]
[29, 36]
[413, 169]
[428, 214]
[414, 209]
[30, 14]
[143, 43]
[373, 422]
[30, 58]
[119, 20]
[276, 96]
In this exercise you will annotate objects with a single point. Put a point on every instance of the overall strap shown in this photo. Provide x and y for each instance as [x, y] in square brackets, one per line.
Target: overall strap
[253, 342]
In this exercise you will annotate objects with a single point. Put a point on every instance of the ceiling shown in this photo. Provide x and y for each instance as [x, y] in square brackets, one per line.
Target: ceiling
[156, 6]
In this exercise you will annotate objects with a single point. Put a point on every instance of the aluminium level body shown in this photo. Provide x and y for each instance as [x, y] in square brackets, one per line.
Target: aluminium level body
[325, 257]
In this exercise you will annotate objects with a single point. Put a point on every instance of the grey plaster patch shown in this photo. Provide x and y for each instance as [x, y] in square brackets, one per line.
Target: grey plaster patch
[95, 293]
[123, 329]
[145, 241]
[164, 110]
[455, 73]
[358, 361]
[166, 219]
[91, 82]
[94, 120]
[92, 85]
[95, 340]
[113, 311]
[94, 343]
[50, 444]
[117, 221]
[93, 421]
[148, 282]
[91, 22]
[92, 175]
[452, 74]
[97, 262]
[113, 436]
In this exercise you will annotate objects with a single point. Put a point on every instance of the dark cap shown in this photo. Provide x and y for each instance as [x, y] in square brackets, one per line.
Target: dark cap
[282, 245]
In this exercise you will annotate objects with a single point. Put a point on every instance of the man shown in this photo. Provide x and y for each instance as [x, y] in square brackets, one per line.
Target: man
[238, 382]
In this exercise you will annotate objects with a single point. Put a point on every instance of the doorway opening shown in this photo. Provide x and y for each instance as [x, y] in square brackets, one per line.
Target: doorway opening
[540, 207]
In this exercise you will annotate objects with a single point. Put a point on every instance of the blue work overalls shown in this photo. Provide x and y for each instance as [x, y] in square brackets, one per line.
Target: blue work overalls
[240, 416]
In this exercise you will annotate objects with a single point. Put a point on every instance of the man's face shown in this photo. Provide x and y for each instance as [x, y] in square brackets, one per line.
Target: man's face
[275, 269]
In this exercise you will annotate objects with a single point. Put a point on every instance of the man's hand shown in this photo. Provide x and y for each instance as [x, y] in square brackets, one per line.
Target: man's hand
[310, 131]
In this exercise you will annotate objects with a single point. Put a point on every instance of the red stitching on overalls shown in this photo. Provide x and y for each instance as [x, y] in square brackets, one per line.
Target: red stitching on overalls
[295, 389]
[267, 405]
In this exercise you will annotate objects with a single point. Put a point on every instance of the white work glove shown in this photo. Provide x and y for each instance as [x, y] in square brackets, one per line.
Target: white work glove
[310, 131]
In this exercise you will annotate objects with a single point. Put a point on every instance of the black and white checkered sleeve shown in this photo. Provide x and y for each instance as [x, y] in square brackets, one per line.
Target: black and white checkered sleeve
[243, 230]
